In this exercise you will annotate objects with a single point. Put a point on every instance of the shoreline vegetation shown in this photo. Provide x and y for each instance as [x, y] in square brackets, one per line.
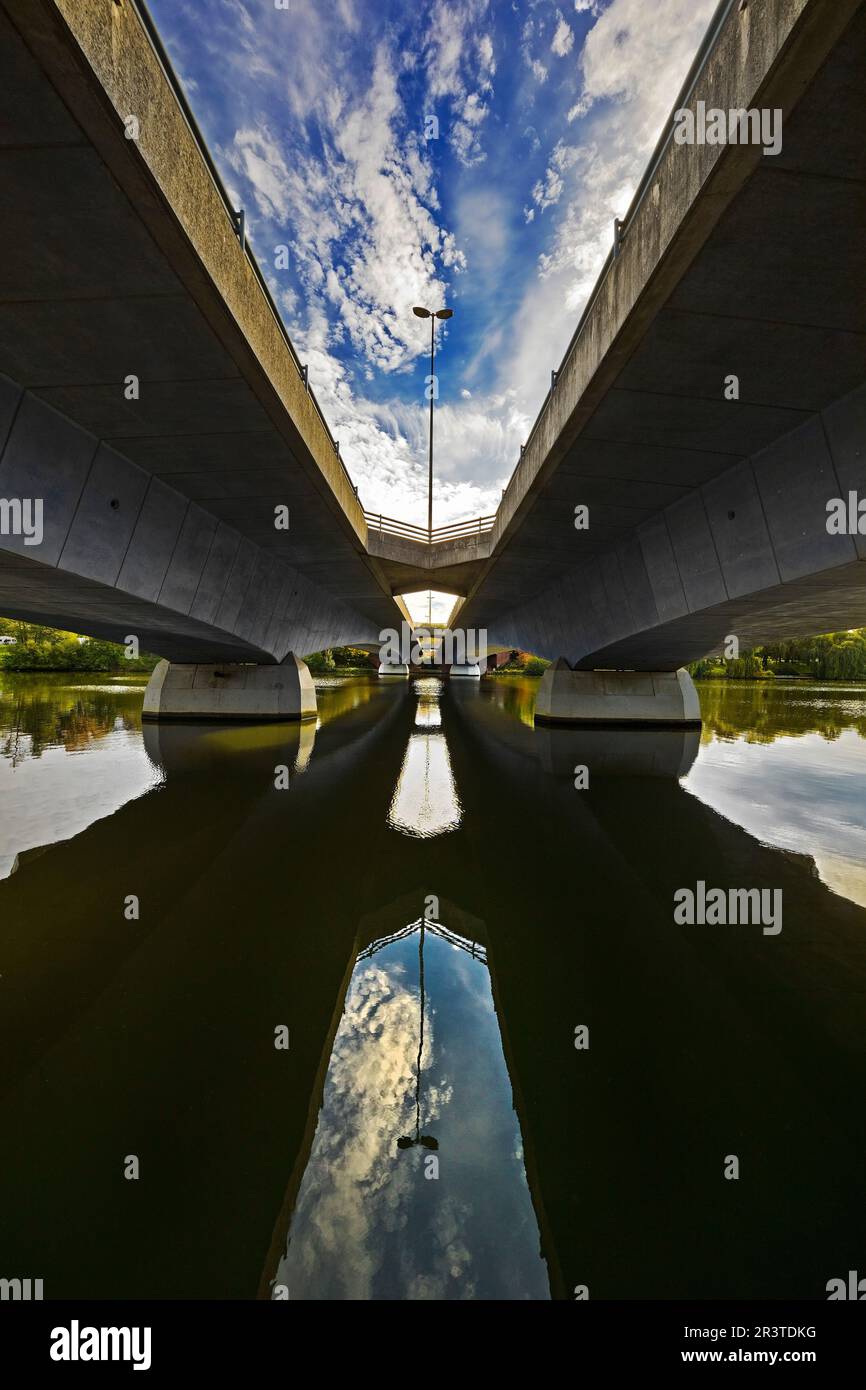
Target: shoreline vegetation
[833, 656]
[44, 649]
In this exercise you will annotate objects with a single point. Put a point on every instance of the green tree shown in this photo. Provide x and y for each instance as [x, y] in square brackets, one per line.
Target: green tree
[40, 648]
[828, 656]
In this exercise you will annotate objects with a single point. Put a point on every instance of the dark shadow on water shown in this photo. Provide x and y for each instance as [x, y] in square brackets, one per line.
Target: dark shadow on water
[543, 908]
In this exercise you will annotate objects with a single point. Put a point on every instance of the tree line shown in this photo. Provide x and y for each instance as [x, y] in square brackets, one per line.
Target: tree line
[833, 656]
[38, 648]
[830, 656]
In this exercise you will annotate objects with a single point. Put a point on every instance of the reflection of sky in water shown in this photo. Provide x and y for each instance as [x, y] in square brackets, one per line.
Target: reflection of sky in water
[425, 798]
[428, 714]
[66, 788]
[367, 1222]
[805, 794]
[425, 801]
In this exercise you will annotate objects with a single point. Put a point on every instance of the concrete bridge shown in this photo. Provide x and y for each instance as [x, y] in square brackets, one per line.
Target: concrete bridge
[706, 498]
[150, 395]
[194, 497]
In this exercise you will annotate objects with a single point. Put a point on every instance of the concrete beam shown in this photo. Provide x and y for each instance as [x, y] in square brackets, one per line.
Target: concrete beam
[123, 553]
[748, 555]
[448, 566]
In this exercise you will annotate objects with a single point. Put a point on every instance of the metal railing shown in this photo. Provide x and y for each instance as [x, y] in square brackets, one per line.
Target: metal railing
[405, 530]
[235, 215]
[464, 530]
[462, 943]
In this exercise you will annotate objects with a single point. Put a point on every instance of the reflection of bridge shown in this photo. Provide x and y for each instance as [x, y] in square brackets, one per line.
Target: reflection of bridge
[152, 399]
[701, 1042]
[460, 943]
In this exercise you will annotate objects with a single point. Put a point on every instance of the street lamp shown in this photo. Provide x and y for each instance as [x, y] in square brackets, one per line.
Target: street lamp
[432, 316]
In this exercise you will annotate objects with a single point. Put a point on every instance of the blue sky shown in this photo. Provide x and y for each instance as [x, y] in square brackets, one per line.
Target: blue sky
[317, 116]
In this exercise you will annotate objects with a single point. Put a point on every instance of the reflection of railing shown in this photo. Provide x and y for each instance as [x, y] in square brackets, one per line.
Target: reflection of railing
[472, 948]
[236, 217]
[404, 530]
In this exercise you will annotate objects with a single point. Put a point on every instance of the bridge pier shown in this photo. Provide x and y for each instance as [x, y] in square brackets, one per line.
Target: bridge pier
[628, 698]
[230, 691]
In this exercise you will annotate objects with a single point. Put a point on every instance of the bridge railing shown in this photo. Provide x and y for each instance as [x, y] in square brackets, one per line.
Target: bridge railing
[464, 530]
[235, 215]
[462, 943]
[405, 530]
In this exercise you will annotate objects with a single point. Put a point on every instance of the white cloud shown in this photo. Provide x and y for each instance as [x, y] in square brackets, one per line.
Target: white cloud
[384, 444]
[633, 61]
[636, 54]
[563, 39]
[360, 216]
[580, 108]
[353, 193]
[257, 156]
[459, 70]
[548, 190]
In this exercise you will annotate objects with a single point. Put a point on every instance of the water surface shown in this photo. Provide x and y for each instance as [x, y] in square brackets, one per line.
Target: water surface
[427, 914]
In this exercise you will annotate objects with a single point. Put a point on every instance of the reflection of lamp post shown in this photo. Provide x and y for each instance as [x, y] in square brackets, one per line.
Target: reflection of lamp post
[407, 1142]
[429, 314]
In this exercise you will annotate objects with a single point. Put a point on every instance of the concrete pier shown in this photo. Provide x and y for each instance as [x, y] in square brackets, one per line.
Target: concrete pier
[636, 698]
[231, 691]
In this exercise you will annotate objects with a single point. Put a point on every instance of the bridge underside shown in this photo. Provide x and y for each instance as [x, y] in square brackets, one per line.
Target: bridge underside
[748, 556]
[125, 554]
[408, 566]
[120, 260]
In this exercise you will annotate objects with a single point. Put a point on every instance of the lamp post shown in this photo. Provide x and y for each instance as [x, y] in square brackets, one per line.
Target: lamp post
[427, 1140]
[432, 316]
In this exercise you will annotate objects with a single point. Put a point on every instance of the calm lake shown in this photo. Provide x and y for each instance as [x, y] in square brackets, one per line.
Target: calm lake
[420, 1024]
